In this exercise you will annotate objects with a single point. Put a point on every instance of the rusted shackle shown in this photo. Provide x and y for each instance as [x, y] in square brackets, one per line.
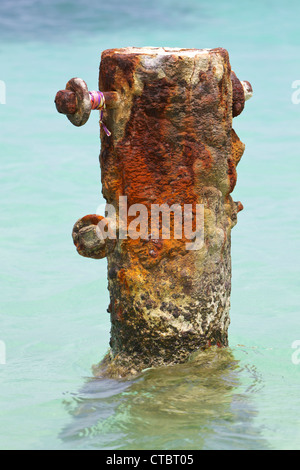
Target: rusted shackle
[75, 101]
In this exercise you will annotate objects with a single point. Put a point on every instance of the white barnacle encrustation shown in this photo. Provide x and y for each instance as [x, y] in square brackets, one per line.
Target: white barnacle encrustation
[248, 91]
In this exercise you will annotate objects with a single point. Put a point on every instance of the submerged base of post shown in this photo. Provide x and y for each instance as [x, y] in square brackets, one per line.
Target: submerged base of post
[115, 367]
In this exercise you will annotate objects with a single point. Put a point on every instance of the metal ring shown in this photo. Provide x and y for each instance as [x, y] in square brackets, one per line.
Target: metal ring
[84, 106]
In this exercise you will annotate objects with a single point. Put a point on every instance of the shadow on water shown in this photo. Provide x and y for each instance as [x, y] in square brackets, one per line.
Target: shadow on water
[198, 405]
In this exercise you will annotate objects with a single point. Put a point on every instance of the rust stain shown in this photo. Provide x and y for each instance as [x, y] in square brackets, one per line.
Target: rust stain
[116, 68]
[91, 219]
[240, 206]
[232, 174]
[238, 97]
[237, 147]
[123, 278]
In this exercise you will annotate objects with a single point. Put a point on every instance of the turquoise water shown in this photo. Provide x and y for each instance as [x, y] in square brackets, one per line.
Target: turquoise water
[53, 302]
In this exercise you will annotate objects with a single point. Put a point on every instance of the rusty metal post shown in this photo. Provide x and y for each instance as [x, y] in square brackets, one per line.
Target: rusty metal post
[171, 143]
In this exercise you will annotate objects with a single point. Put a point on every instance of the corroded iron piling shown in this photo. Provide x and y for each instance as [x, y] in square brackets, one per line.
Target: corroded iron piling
[171, 142]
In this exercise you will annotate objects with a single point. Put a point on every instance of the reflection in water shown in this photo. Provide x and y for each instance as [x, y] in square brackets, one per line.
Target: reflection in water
[197, 405]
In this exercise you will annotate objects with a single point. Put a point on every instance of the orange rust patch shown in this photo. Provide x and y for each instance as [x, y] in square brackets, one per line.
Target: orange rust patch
[240, 206]
[206, 158]
[123, 278]
[155, 167]
[91, 219]
[232, 174]
[237, 147]
[111, 64]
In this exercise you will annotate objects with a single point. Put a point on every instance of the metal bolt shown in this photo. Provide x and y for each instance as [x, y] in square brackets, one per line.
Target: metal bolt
[241, 92]
[75, 101]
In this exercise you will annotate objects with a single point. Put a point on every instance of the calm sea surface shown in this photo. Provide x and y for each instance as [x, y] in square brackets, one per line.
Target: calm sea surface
[53, 302]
